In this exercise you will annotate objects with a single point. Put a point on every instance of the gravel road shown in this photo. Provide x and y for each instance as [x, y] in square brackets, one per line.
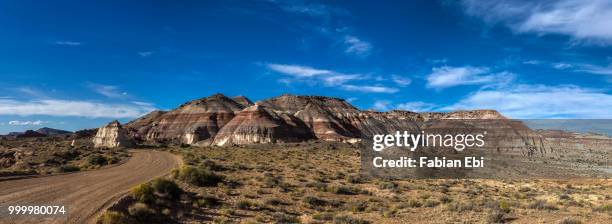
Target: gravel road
[84, 194]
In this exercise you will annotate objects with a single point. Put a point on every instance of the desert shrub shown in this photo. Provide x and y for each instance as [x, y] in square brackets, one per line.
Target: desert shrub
[141, 212]
[314, 201]
[211, 165]
[326, 216]
[496, 216]
[354, 179]
[414, 203]
[542, 205]
[356, 206]
[198, 176]
[208, 201]
[604, 208]
[346, 190]
[248, 205]
[275, 202]
[570, 221]
[284, 218]
[445, 199]
[111, 217]
[68, 168]
[345, 219]
[431, 203]
[388, 186]
[144, 193]
[97, 159]
[460, 207]
[167, 187]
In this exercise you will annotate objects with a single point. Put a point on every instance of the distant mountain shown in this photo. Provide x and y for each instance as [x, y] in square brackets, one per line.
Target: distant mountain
[220, 120]
[52, 131]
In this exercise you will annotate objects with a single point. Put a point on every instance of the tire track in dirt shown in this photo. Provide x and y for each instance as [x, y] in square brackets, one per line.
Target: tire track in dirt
[84, 194]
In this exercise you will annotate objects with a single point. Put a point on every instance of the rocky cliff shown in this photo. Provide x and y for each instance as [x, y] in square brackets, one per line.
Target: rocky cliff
[112, 135]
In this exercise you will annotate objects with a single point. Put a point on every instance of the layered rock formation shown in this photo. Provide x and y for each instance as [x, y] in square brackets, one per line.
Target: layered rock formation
[257, 124]
[222, 121]
[191, 122]
[112, 135]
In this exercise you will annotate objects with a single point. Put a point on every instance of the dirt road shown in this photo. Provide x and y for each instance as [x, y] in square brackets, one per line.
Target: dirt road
[84, 194]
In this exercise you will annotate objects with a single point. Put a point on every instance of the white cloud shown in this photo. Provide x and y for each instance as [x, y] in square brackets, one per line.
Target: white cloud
[595, 69]
[381, 105]
[26, 123]
[68, 43]
[417, 106]
[584, 20]
[370, 89]
[298, 70]
[145, 53]
[446, 76]
[77, 108]
[107, 90]
[328, 78]
[532, 62]
[437, 61]
[562, 66]
[401, 81]
[356, 46]
[540, 101]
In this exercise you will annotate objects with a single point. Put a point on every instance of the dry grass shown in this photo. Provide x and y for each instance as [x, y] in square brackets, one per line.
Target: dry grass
[320, 182]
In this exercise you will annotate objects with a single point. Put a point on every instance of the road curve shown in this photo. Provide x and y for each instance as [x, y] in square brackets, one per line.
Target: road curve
[84, 194]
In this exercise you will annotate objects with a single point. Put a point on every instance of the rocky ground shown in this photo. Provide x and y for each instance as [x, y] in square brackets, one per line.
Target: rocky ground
[48, 155]
[320, 183]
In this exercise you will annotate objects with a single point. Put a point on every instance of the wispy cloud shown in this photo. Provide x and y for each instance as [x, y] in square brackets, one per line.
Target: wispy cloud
[595, 69]
[417, 106]
[107, 90]
[356, 46]
[26, 123]
[437, 61]
[446, 76]
[562, 66]
[68, 43]
[540, 101]
[583, 20]
[78, 108]
[145, 53]
[400, 80]
[327, 77]
[369, 89]
[381, 105]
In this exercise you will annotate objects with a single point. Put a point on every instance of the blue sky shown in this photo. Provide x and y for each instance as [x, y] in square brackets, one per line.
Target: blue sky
[73, 65]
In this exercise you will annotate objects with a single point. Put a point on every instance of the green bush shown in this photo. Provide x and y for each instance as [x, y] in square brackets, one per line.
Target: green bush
[113, 218]
[208, 202]
[144, 193]
[68, 168]
[141, 212]
[167, 187]
[198, 176]
[97, 159]
[542, 205]
[314, 201]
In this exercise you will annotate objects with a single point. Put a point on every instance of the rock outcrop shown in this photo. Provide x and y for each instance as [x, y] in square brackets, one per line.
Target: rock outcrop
[257, 124]
[112, 135]
[191, 122]
[242, 100]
